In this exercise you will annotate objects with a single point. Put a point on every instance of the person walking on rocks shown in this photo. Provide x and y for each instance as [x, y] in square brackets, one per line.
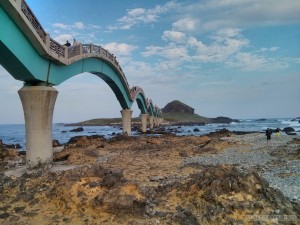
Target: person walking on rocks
[268, 133]
[278, 132]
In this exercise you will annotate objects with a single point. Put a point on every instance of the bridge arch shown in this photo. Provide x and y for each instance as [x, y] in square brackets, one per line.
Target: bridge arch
[30, 55]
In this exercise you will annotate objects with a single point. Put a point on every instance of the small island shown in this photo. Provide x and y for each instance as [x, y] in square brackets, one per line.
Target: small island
[174, 113]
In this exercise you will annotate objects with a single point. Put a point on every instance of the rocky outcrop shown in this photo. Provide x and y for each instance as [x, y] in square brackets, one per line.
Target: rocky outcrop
[288, 129]
[179, 113]
[150, 180]
[178, 107]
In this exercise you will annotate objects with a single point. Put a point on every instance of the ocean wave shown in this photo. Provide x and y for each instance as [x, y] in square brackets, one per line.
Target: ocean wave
[294, 123]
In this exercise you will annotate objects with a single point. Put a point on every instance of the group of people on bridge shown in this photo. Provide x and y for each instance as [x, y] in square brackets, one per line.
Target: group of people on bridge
[68, 44]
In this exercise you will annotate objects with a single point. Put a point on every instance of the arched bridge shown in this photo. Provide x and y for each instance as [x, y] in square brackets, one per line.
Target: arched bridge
[29, 54]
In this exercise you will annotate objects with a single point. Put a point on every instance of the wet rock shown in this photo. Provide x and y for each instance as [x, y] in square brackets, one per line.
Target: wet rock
[55, 143]
[288, 129]
[78, 129]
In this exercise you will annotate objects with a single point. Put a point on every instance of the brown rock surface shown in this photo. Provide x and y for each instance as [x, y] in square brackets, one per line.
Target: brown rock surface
[140, 180]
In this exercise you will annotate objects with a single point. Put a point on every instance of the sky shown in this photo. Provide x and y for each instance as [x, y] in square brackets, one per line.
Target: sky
[234, 58]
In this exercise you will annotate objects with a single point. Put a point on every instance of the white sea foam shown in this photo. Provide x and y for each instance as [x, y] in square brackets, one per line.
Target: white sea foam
[290, 123]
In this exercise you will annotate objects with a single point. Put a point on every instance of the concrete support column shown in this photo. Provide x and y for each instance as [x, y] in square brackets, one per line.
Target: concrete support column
[160, 120]
[126, 121]
[144, 122]
[151, 118]
[38, 105]
[155, 121]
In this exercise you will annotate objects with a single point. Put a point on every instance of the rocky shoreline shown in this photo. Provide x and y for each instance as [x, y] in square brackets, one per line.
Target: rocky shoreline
[220, 178]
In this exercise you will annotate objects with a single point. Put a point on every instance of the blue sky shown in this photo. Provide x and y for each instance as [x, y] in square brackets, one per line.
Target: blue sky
[235, 58]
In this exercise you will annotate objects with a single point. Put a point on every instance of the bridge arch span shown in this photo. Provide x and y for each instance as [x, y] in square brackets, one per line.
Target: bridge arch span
[29, 54]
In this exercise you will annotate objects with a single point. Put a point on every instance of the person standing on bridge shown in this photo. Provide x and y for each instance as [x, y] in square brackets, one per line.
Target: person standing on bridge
[75, 42]
[68, 44]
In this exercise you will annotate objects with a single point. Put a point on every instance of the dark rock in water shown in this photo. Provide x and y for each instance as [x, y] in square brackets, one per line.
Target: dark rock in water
[261, 119]
[288, 129]
[289, 133]
[79, 129]
[222, 119]
[64, 131]
[196, 130]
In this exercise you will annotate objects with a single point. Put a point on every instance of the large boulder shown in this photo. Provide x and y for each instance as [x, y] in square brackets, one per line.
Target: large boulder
[288, 129]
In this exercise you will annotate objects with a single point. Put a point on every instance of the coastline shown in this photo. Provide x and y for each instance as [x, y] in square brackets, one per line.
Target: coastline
[138, 180]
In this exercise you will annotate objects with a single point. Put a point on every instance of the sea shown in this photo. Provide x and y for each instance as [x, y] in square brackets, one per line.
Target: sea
[15, 133]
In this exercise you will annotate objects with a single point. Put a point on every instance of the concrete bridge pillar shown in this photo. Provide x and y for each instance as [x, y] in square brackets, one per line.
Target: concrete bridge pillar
[38, 105]
[126, 121]
[155, 121]
[151, 121]
[160, 120]
[144, 122]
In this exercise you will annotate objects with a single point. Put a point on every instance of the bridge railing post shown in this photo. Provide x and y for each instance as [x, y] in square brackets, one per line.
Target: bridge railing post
[91, 48]
[17, 4]
[80, 49]
[47, 42]
[66, 52]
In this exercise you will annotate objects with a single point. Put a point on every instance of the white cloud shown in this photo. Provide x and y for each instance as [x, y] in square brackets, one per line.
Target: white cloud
[60, 25]
[174, 36]
[246, 61]
[272, 49]
[76, 25]
[167, 52]
[79, 25]
[185, 24]
[143, 16]
[136, 12]
[62, 38]
[181, 48]
[119, 49]
[216, 14]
